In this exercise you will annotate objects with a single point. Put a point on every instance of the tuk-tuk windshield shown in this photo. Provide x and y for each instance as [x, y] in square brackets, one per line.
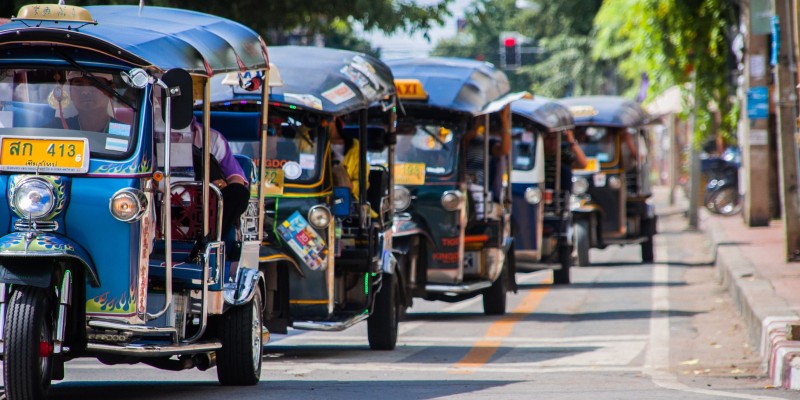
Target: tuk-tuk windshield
[428, 144]
[292, 146]
[597, 142]
[68, 103]
[523, 151]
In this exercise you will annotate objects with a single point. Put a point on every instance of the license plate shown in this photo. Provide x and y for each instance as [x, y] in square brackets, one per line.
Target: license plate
[592, 165]
[273, 181]
[409, 174]
[45, 154]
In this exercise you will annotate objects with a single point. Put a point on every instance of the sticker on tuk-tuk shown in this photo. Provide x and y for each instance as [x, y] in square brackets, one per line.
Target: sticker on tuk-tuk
[409, 174]
[599, 180]
[592, 165]
[339, 93]
[304, 241]
[273, 181]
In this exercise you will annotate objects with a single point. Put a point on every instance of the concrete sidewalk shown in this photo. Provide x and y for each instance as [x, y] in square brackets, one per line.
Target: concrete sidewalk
[751, 265]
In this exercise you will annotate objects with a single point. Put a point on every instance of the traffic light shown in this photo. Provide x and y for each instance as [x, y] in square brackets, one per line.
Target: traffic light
[509, 51]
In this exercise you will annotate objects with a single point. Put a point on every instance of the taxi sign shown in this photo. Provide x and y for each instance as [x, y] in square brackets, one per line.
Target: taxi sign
[592, 165]
[409, 174]
[54, 12]
[410, 89]
[44, 154]
[583, 111]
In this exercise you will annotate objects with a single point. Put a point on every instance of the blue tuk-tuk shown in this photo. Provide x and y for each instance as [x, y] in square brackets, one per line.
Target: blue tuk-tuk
[541, 183]
[612, 195]
[340, 270]
[453, 196]
[97, 229]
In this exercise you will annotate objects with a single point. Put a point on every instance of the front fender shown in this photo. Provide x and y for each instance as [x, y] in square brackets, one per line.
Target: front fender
[247, 280]
[17, 249]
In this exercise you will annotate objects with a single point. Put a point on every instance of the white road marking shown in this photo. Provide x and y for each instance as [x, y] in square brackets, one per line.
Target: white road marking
[657, 355]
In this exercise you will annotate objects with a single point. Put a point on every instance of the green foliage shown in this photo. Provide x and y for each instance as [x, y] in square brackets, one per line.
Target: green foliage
[277, 21]
[676, 42]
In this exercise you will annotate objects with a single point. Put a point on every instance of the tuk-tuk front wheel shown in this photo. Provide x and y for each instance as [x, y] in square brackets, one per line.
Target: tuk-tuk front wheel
[582, 241]
[28, 361]
[494, 298]
[383, 324]
[239, 359]
[561, 276]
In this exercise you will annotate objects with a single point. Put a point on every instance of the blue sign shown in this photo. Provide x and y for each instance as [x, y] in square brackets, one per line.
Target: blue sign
[776, 40]
[758, 102]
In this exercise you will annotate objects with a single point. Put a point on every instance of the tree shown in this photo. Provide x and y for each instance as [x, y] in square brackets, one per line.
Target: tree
[676, 42]
[276, 21]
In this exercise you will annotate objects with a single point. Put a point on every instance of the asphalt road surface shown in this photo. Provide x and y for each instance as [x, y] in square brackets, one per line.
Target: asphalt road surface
[622, 330]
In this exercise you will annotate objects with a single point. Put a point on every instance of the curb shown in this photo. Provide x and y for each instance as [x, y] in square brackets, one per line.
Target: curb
[766, 315]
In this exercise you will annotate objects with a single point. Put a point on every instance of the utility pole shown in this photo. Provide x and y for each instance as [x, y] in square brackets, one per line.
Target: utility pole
[755, 115]
[787, 145]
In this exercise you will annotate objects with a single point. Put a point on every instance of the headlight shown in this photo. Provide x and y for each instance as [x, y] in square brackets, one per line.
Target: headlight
[533, 195]
[614, 182]
[452, 200]
[579, 185]
[34, 198]
[128, 205]
[319, 216]
[402, 198]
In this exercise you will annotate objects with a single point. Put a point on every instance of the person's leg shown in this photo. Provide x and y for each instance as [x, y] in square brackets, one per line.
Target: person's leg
[235, 198]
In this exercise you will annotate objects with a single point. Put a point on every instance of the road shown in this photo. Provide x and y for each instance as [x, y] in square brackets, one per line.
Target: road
[622, 330]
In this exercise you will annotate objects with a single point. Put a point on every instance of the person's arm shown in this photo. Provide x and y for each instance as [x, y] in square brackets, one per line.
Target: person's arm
[631, 145]
[580, 157]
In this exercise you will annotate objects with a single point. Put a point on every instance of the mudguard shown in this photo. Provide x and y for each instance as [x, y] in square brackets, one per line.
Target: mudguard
[388, 262]
[409, 227]
[247, 280]
[23, 246]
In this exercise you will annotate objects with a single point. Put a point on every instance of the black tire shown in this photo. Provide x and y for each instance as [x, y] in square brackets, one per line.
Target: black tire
[582, 244]
[561, 276]
[494, 298]
[239, 359]
[29, 323]
[383, 324]
[648, 255]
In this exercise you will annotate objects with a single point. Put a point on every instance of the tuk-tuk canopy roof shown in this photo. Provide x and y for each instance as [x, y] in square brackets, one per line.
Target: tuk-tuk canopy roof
[610, 111]
[544, 113]
[331, 81]
[457, 84]
[159, 38]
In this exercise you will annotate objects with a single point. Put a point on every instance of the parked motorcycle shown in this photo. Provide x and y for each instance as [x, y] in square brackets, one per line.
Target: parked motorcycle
[722, 191]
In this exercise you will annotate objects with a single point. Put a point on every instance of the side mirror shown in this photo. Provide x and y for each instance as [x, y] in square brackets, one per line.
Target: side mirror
[179, 89]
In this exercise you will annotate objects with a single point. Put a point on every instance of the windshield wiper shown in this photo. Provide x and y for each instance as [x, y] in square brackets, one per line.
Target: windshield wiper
[96, 81]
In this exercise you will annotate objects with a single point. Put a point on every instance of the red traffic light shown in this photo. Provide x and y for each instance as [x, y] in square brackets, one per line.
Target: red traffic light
[510, 41]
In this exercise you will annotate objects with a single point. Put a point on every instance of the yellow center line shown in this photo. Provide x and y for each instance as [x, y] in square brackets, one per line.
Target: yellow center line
[483, 349]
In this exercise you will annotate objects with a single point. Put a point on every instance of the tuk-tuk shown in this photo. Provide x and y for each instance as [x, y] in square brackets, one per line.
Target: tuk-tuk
[541, 187]
[452, 201]
[327, 247]
[611, 196]
[97, 231]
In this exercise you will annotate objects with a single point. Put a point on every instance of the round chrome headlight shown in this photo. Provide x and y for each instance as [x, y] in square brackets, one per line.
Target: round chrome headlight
[34, 198]
[614, 182]
[579, 185]
[128, 205]
[533, 195]
[452, 200]
[319, 216]
[402, 198]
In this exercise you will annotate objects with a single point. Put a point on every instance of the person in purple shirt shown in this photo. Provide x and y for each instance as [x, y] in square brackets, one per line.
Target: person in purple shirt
[225, 172]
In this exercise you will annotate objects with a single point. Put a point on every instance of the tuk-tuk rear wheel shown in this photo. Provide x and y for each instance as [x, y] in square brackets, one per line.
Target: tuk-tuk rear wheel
[561, 276]
[28, 360]
[582, 242]
[648, 254]
[383, 324]
[494, 298]
[239, 360]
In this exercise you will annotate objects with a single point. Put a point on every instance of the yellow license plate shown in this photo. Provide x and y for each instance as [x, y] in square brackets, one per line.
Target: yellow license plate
[409, 174]
[45, 154]
[273, 181]
[592, 165]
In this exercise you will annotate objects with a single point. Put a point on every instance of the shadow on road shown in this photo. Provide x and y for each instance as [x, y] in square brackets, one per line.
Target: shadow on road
[274, 389]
